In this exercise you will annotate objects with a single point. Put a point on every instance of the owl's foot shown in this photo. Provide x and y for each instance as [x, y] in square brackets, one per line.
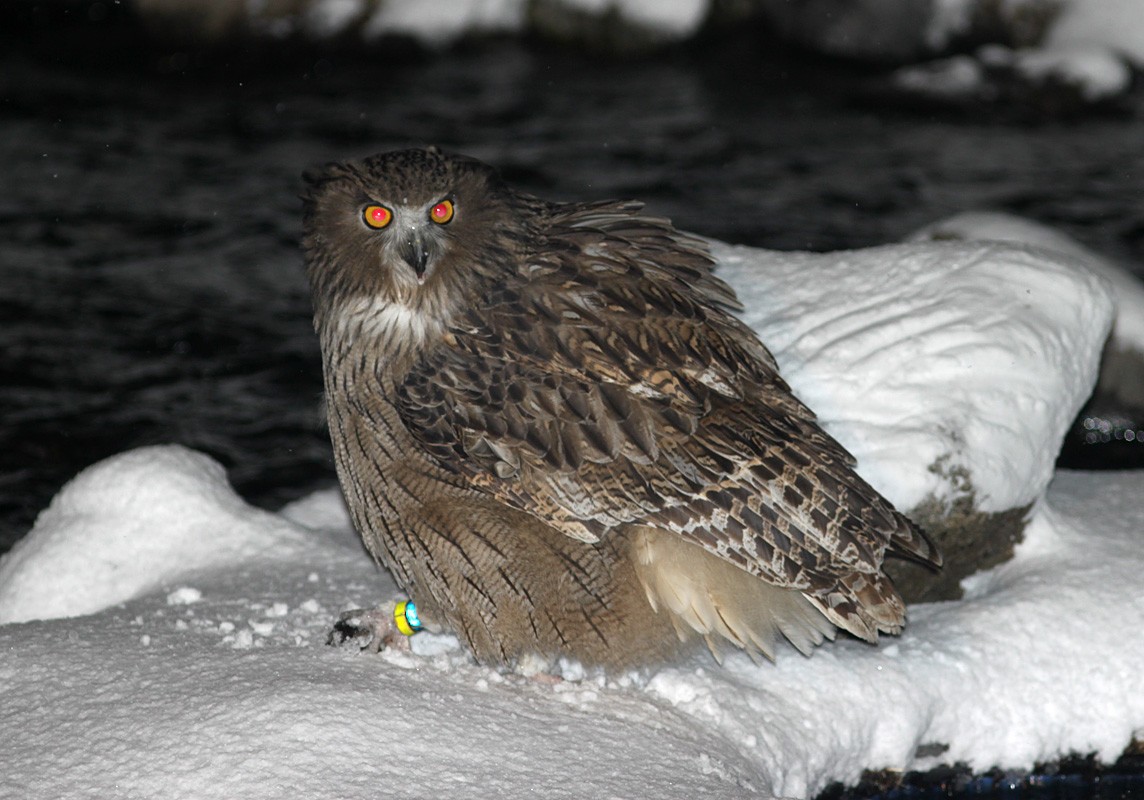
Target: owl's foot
[375, 628]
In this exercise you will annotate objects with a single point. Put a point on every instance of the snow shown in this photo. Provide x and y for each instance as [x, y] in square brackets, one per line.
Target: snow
[112, 536]
[1114, 24]
[681, 18]
[1094, 69]
[957, 76]
[166, 639]
[1094, 72]
[332, 17]
[1083, 41]
[1127, 289]
[441, 23]
[1085, 46]
[933, 361]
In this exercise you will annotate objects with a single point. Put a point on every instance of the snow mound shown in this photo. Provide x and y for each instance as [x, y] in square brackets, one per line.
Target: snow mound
[1127, 289]
[131, 524]
[222, 687]
[933, 362]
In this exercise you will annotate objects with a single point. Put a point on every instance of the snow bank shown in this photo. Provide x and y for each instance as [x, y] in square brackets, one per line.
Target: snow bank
[125, 530]
[198, 666]
[1127, 289]
[218, 684]
[933, 362]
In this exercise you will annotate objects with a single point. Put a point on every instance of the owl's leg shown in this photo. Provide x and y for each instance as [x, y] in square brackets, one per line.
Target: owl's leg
[388, 625]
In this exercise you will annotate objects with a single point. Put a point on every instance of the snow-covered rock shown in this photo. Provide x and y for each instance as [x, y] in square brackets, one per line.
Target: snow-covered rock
[1040, 57]
[604, 22]
[131, 525]
[936, 357]
[1122, 371]
[896, 31]
[906, 30]
[1045, 81]
[1116, 25]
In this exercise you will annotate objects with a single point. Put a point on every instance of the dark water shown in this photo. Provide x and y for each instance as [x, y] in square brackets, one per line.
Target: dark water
[1072, 778]
[151, 288]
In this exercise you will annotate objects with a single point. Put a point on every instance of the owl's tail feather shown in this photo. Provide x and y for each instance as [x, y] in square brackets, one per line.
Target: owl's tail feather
[706, 595]
[863, 604]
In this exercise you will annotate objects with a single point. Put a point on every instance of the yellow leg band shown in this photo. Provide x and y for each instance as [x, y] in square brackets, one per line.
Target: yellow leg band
[405, 617]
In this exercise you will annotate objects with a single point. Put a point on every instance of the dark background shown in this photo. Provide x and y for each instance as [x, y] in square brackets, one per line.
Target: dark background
[151, 288]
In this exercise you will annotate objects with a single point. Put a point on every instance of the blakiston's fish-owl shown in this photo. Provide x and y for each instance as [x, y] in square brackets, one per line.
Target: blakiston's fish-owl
[551, 430]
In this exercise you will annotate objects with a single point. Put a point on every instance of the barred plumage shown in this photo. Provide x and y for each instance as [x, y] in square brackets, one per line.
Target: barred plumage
[551, 429]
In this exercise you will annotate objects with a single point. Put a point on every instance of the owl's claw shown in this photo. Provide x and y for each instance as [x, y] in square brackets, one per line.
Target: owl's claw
[373, 627]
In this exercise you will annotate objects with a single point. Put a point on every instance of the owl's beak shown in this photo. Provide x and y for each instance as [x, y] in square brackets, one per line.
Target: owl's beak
[415, 253]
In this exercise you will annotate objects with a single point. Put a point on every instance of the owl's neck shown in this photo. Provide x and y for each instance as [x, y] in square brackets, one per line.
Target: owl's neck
[368, 348]
[386, 335]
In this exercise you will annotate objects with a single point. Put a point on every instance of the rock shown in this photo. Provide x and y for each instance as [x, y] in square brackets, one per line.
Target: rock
[906, 30]
[1121, 378]
[1036, 82]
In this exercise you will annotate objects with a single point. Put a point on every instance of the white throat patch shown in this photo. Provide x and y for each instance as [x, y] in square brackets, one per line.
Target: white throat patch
[388, 322]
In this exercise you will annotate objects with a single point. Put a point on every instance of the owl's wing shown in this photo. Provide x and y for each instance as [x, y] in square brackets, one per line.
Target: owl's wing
[606, 384]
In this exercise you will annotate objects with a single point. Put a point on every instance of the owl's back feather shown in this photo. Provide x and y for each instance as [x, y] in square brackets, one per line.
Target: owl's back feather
[603, 383]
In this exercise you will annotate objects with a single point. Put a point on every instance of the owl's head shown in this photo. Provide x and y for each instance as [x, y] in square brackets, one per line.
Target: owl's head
[417, 229]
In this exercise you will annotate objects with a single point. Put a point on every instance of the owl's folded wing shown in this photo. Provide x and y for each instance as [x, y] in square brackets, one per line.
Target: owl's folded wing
[603, 388]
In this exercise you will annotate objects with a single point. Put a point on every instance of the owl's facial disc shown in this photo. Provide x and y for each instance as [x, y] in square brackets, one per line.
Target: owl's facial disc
[412, 234]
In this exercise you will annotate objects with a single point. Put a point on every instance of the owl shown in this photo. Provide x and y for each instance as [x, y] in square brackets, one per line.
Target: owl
[552, 430]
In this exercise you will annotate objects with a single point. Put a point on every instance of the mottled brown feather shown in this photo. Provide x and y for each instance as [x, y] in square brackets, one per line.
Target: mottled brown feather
[563, 383]
[673, 401]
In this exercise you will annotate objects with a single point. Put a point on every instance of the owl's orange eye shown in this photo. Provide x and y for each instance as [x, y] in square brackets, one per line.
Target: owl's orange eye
[442, 212]
[377, 216]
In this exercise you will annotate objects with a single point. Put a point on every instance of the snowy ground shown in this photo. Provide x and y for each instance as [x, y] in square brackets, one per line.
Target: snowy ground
[180, 650]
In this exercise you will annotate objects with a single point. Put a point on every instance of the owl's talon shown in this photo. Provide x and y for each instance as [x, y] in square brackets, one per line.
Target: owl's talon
[374, 627]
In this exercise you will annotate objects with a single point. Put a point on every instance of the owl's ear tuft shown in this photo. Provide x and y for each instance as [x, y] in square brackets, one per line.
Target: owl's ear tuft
[317, 176]
[311, 176]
